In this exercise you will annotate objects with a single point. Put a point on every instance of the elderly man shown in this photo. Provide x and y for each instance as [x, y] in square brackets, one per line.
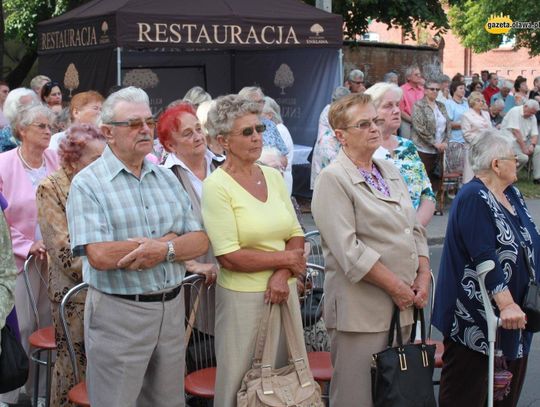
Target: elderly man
[413, 90]
[492, 88]
[355, 81]
[495, 113]
[132, 222]
[508, 99]
[520, 124]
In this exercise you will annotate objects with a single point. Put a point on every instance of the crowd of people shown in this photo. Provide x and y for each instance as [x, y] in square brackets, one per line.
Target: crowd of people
[100, 190]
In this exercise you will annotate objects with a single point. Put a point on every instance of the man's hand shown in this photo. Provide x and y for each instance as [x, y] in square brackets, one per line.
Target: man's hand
[530, 150]
[150, 253]
[208, 270]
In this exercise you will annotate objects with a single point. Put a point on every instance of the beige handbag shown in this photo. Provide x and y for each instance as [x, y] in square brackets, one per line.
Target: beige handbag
[292, 385]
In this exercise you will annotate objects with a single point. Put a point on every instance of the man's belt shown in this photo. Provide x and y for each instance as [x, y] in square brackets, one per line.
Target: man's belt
[161, 297]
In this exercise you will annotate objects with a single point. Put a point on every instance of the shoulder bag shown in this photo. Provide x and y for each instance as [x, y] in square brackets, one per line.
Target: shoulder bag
[402, 376]
[13, 362]
[292, 385]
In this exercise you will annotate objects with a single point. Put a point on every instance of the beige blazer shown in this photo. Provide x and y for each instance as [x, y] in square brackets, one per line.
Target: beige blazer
[360, 226]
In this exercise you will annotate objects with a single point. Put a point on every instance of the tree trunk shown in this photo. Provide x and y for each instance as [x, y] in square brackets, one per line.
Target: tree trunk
[17, 76]
[1, 40]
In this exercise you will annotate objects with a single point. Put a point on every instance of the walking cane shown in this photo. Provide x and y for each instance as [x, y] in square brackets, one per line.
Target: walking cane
[492, 323]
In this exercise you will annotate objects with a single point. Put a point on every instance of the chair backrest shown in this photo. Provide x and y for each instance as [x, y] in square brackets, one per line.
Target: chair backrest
[72, 293]
[315, 254]
[200, 311]
[32, 264]
[454, 157]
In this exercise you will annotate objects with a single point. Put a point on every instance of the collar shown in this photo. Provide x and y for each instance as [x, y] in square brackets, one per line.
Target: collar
[114, 165]
[173, 159]
[354, 174]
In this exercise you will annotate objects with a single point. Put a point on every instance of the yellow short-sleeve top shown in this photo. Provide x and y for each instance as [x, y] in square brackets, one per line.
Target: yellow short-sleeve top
[234, 219]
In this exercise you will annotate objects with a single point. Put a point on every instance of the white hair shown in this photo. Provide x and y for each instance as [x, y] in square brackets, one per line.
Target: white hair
[28, 115]
[498, 103]
[247, 92]
[507, 84]
[339, 92]
[271, 107]
[389, 76]
[38, 81]
[226, 110]
[380, 89]
[489, 145]
[355, 74]
[131, 94]
[13, 103]
[409, 71]
[532, 104]
[202, 114]
[196, 95]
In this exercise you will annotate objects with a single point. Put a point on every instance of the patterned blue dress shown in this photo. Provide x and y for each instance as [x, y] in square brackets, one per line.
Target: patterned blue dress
[479, 229]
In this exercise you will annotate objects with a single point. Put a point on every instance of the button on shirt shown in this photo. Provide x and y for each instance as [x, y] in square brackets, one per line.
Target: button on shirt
[108, 203]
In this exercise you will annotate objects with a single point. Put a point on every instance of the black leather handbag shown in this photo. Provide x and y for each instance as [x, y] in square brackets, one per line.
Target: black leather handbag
[402, 376]
[13, 362]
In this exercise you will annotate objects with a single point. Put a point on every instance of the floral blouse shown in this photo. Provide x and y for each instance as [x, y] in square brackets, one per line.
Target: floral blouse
[481, 229]
[405, 157]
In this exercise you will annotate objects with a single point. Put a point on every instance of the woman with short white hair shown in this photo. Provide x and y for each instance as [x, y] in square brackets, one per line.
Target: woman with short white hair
[14, 102]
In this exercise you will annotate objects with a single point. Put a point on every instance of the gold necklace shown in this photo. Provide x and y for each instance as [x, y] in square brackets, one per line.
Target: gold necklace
[28, 165]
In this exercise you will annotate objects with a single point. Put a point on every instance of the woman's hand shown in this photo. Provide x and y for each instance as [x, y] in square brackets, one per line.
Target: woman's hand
[38, 250]
[277, 291]
[512, 317]
[208, 270]
[403, 295]
[296, 262]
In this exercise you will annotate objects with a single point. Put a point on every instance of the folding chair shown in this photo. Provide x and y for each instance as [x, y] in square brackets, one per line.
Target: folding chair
[452, 171]
[200, 379]
[78, 393]
[311, 309]
[43, 339]
[315, 253]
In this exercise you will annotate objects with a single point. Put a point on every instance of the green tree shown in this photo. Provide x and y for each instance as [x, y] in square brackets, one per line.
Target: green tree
[357, 14]
[468, 18]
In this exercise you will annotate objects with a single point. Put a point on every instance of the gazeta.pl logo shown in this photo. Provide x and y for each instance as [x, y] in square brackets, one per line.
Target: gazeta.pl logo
[498, 24]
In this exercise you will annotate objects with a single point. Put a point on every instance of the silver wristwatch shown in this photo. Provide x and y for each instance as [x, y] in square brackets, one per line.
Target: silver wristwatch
[171, 255]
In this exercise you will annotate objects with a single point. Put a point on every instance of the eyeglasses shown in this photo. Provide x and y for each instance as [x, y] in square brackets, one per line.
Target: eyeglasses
[42, 126]
[514, 158]
[136, 124]
[357, 82]
[248, 131]
[433, 89]
[366, 124]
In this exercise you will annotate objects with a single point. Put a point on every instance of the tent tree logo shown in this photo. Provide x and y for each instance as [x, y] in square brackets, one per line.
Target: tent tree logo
[104, 27]
[141, 78]
[71, 78]
[284, 77]
[316, 29]
[104, 37]
[498, 24]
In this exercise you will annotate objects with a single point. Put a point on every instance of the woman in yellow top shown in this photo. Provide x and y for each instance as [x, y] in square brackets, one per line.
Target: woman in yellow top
[256, 238]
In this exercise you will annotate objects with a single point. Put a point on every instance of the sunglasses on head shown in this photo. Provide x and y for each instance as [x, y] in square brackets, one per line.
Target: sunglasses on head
[136, 124]
[248, 131]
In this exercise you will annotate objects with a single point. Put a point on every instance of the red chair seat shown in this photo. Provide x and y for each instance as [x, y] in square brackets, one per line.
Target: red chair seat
[201, 383]
[78, 395]
[439, 350]
[43, 338]
[321, 366]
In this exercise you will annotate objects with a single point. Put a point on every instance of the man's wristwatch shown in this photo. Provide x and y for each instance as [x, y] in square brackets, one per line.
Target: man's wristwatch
[171, 255]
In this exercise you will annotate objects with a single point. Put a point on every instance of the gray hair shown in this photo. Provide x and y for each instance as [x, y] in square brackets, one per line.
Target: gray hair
[355, 74]
[226, 110]
[410, 69]
[490, 144]
[38, 81]
[196, 95]
[380, 89]
[28, 115]
[131, 94]
[271, 106]
[444, 78]
[247, 92]
[389, 76]
[202, 115]
[507, 84]
[339, 92]
[532, 104]
[498, 103]
[13, 103]
[435, 80]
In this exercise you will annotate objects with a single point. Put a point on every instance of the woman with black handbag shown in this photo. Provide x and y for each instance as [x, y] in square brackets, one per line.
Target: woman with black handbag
[488, 221]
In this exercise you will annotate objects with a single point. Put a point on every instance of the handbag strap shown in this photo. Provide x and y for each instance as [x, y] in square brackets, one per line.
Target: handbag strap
[262, 333]
[395, 326]
[418, 316]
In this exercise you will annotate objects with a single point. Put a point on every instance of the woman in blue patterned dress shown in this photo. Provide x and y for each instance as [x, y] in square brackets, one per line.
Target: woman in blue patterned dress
[401, 151]
[488, 221]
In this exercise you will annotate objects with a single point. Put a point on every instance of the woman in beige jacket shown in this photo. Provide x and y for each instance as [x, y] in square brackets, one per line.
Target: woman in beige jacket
[375, 250]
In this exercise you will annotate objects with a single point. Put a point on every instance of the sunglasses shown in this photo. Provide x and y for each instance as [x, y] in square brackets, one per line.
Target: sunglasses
[433, 89]
[248, 131]
[358, 82]
[136, 124]
[366, 124]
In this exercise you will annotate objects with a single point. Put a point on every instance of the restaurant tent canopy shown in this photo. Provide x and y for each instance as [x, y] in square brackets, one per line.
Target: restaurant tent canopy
[287, 47]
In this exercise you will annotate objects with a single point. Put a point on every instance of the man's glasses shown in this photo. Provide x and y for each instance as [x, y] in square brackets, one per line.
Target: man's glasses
[42, 126]
[248, 131]
[136, 124]
[433, 89]
[357, 82]
[514, 158]
[366, 124]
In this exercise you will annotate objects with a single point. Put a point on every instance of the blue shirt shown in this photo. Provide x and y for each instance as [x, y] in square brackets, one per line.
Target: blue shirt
[478, 230]
[108, 203]
[509, 101]
[7, 141]
[272, 138]
[455, 111]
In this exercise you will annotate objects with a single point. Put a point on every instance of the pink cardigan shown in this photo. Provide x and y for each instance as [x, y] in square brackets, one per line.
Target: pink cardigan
[21, 213]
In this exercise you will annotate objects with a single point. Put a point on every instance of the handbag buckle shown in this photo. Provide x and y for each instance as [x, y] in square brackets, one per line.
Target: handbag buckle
[402, 360]
[425, 359]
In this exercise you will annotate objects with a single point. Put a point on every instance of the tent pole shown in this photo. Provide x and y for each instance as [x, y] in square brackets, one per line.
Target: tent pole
[119, 66]
[340, 64]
